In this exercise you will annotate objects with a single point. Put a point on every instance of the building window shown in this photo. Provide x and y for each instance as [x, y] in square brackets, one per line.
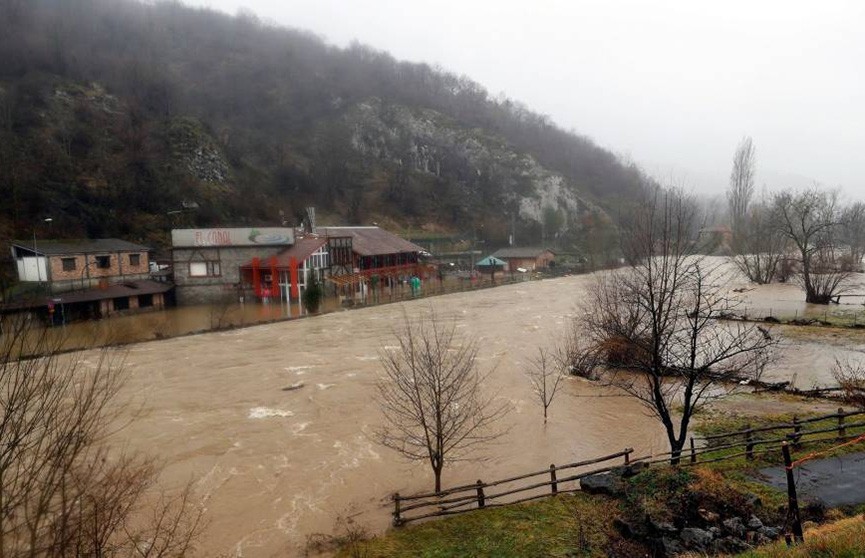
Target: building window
[134, 260]
[145, 301]
[204, 269]
[68, 264]
[121, 303]
[103, 262]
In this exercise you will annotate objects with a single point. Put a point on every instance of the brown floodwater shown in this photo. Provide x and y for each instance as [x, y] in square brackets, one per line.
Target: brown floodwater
[275, 466]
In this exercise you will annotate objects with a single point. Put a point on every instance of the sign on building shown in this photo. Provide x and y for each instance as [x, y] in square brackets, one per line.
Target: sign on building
[255, 236]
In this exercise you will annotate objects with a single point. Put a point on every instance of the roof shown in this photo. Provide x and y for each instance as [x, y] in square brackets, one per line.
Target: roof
[531, 252]
[117, 290]
[372, 241]
[490, 261]
[302, 249]
[79, 246]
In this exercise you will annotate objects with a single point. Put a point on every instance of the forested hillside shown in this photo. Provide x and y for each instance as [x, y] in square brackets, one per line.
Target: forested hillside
[115, 115]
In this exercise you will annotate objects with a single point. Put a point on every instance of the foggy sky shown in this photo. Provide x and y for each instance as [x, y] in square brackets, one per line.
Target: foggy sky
[671, 85]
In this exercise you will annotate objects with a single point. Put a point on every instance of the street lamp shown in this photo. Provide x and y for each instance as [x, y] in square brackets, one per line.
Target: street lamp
[36, 254]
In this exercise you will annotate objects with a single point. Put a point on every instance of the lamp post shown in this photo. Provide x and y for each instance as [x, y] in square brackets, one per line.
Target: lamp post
[36, 254]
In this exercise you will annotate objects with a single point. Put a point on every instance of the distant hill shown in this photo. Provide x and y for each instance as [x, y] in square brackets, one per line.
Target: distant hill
[114, 113]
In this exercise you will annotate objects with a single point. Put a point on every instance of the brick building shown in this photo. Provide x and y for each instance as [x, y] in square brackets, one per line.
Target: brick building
[66, 265]
[83, 279]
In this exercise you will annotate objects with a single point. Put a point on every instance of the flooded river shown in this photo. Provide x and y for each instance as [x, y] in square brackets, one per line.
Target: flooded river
[274, 466]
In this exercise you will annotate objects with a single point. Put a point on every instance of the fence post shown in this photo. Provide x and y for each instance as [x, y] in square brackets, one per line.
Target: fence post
[797, 428]
[481, 499]
[553, 483]
[397, 520]
[693, 451]
[842, 430]
[749, 447]
[792, 500]
[628, 456]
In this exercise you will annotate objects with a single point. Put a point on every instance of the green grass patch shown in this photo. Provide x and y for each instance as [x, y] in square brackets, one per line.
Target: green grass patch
[568, 525]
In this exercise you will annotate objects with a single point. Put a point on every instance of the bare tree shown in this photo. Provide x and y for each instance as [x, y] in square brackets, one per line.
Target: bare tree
[62, 492]
[432, 396]
[851, 379]
[811, 221]
[656, 324]
[853, 233]
[545, 375]
[741, 184]
[761, 247]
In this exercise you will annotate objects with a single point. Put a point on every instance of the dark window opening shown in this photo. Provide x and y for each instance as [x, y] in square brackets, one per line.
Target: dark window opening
[121, 303]
[135, 260]
[103, 262]
[145, 301]
[68, 264]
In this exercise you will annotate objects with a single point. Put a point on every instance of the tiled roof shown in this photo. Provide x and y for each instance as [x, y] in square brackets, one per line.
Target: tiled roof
[372, 241]
[80, 246]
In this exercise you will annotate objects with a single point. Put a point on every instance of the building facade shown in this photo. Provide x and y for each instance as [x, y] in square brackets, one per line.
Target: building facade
[207, 262]
[67, 265]
[528, 259]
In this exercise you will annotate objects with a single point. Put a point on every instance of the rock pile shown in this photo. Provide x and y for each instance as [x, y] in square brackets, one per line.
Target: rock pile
[706, 533]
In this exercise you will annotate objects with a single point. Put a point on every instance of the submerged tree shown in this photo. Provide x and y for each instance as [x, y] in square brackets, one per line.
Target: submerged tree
[545, 375]
[655, 324]
[432, 396]
[761, 246]
[811, 220]
[62, 492]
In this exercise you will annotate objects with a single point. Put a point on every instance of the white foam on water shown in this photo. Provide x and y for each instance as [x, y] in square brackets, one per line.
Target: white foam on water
[266, 412]
[366, 357]
[325, 386]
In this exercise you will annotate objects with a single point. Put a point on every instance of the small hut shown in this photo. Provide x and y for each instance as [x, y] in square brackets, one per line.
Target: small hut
[491, 265]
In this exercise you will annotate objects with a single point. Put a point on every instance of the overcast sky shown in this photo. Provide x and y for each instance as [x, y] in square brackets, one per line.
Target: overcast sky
[672, 85]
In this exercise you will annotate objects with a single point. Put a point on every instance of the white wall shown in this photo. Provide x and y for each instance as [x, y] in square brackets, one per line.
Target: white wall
[32, 269]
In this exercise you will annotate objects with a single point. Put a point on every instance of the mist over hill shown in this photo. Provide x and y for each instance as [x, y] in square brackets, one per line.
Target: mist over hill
[115, 115]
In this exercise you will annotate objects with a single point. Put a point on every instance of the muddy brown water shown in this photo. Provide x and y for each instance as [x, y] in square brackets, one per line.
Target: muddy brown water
[274, 467]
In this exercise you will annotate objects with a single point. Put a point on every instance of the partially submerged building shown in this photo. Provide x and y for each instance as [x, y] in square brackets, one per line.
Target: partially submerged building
[207, 262]
[85, 278]
[277, 264]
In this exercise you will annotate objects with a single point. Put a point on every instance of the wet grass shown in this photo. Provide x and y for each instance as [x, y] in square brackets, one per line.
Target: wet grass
[567, 525]
[825, 444]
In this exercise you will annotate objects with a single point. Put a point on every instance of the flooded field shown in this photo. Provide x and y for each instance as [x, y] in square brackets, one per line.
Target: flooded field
[274, 466]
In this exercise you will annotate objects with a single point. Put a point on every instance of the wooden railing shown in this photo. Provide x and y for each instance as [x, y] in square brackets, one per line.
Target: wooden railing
[461, 499]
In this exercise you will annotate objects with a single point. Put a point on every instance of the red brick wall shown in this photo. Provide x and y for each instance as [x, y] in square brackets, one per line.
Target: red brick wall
[85, 266]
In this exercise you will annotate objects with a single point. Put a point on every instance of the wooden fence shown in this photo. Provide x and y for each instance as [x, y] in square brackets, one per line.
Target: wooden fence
[752, 441]
[461, 499]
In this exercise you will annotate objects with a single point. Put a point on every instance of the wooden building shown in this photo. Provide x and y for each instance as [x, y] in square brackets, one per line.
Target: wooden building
[528, 259]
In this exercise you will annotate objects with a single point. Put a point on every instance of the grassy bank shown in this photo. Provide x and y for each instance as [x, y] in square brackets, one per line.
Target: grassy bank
[568, 525]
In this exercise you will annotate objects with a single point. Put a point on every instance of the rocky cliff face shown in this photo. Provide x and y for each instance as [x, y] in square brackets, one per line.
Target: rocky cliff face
[428, 142]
